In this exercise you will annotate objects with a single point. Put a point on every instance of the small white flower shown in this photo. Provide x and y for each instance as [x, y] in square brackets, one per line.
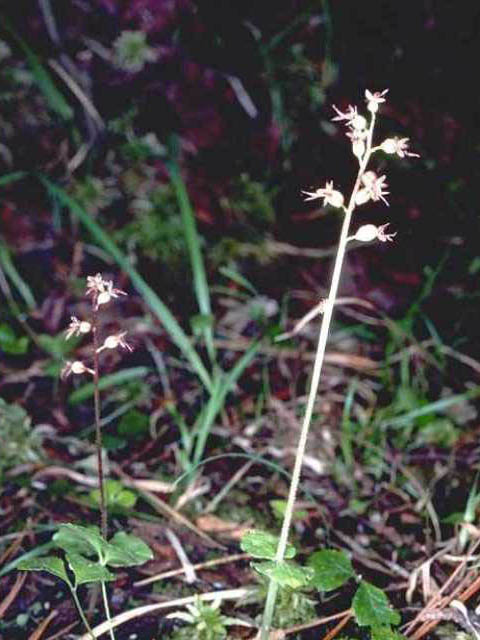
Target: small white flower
[374, 188]
[114, 341]
[77, 367]
[328, 193]
[398, 146]
[77, 327]
[348, 116]
[374, 99]
[369, 232]
[102, 290]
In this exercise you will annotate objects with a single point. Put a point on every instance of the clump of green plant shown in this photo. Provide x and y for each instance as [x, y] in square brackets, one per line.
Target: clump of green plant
[21, 443]
[250, 199]
[89, 558]
[368, 187]
[93, 193]
[324, 571]
[204, 621]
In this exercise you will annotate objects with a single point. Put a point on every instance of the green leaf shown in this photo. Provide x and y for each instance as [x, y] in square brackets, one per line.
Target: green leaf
[279, 507]
[9, 343]
[287, 574]
[50, 564]
[125, 550]
[385, 633]
[87, 570]
[133, 424]
[115, 495]
[371, 607]
[105, 382]
[260, 544]
[75, 539]
[331, 569]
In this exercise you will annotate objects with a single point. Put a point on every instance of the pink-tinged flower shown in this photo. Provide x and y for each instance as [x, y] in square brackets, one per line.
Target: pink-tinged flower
[398, 146]
[114, 341]
[369, 232]
[102, 290]
[328, 193]
[77, 367]
[77, 327]
[374, 99]
[373, 189]
[351, 118]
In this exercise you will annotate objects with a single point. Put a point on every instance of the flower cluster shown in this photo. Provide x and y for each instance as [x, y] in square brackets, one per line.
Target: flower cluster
[371, 187]
[102, 291]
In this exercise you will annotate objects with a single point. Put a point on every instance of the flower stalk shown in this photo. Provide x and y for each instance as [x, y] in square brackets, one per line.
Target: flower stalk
[369, 187]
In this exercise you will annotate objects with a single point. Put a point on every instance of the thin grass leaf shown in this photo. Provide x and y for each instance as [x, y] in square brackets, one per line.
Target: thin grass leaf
[17, 280]
[164, 315]
[192, 238]
[34, 553]
[105, 382]
[433, 407]
[222, 386]
[237, 277]
[7, 178]
[54, 98]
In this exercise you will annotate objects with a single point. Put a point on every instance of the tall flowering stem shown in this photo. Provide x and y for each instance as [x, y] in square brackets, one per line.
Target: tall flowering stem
[98, 428]
[367, 186]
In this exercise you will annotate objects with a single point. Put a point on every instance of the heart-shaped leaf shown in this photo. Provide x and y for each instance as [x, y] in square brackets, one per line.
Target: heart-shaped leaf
[75, 539]
[287, 574]
[50, 564]
[260, 544]
[331, 569]
[385, 633]
[125, 550]
[371, 607]
[87, 570]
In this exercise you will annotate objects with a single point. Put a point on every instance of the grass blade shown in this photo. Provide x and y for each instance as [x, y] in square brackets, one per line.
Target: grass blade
[192, 238]
[114, 379]
[178, 336]
[54, 98]
[7, 178]
[11, 271]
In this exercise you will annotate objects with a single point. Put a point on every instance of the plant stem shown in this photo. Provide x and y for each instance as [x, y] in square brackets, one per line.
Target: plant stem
[98, 427]
[317, 370]
[80, 611]
[107, 609]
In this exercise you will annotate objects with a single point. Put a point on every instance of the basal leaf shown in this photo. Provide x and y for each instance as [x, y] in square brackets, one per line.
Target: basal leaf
[125, 550]
[75, 539]
[87, 570]
[260, 544]
[50, 564]
[287, 574]
[331, 569]
[371, 607]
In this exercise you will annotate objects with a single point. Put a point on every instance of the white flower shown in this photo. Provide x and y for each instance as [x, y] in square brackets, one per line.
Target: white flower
[369, 232]
[328, 193]
[374, 188]
[77, 327]
[399, 146]
[77, 367]
[102, 290]
[374, 99]
[114, 341]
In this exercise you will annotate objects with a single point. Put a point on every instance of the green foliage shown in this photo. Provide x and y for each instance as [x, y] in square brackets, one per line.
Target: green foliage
[20, 442]
[261, 544]
[115, 496]
[251, 200]
[10, 343]
[372, 609]
[286, 574]
[50, 564]
[133, 425]
[131, 51]
[204, 622]
[331, 569]
[93, 193]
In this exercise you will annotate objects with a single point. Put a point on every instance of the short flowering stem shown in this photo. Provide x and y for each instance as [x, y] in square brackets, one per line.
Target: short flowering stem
[317, 370]
[98, 428]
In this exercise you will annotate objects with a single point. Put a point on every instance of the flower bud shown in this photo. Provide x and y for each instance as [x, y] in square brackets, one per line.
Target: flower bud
[336, 199]
[362, 197]
[358, 148]
[359, 122]
[389, 146]
[366, 233]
